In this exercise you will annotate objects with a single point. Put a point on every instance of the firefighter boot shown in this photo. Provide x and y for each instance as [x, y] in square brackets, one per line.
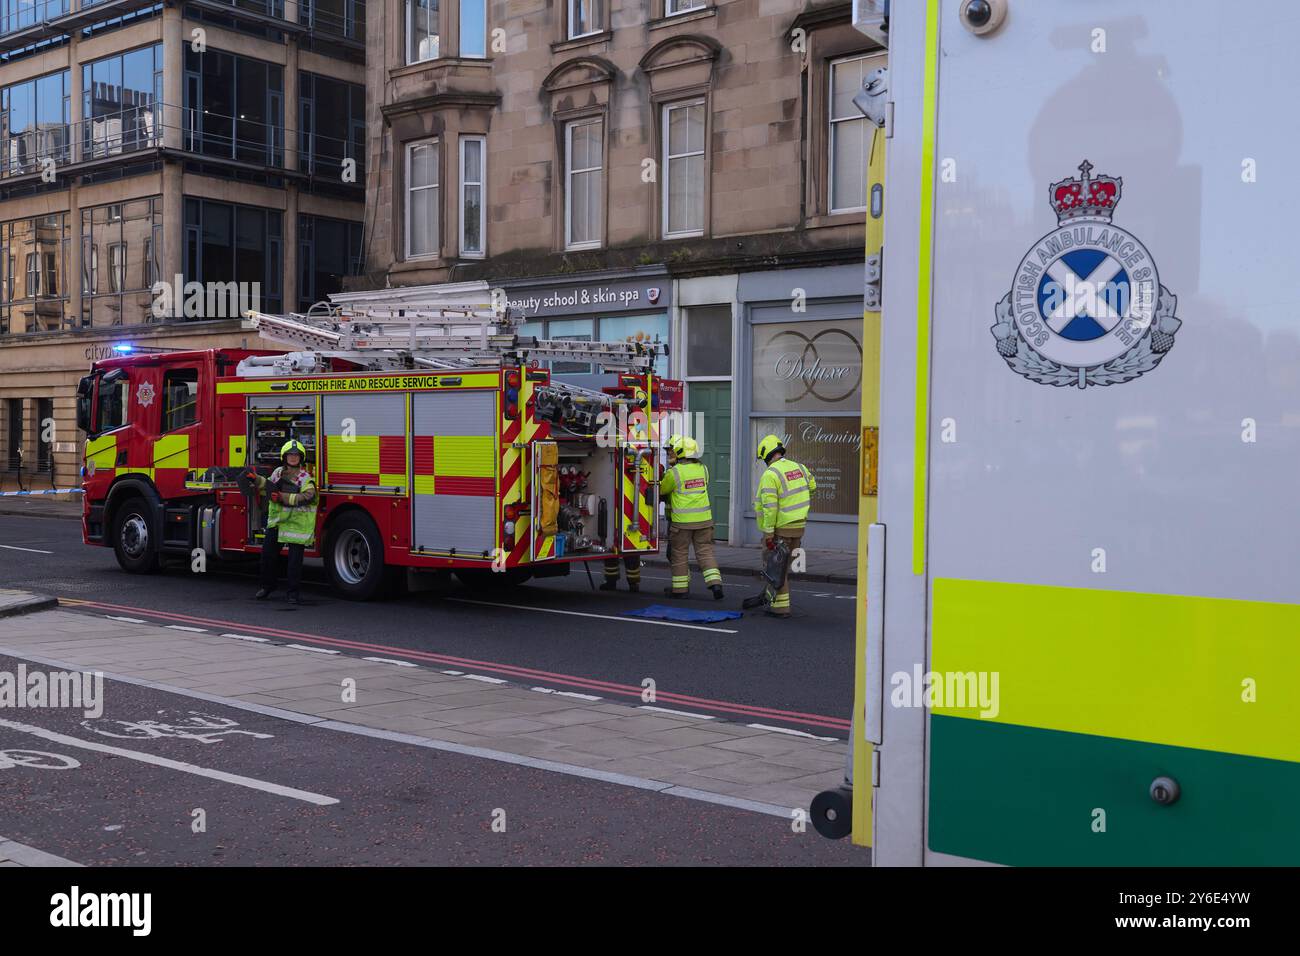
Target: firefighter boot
[293, 597]
[717, 592]
[609, 584]
[262, 594]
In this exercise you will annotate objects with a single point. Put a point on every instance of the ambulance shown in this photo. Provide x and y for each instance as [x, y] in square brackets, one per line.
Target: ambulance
[438, 438]
[1082, 635]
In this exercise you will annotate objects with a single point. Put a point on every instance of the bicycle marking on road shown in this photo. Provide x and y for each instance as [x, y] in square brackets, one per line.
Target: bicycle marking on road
[251, 783]
[36, 760]
[204, 728]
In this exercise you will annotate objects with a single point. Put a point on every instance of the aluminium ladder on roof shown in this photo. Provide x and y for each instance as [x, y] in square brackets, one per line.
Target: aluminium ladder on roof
[439, 333]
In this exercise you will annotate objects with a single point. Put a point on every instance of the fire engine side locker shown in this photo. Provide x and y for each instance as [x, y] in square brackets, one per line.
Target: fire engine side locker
[1117, 553]
[455, 472]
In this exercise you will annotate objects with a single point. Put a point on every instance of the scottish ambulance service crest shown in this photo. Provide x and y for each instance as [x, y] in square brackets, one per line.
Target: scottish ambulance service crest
[1086, 306]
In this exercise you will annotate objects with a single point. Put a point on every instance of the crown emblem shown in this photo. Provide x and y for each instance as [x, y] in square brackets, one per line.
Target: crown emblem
[1085, 198]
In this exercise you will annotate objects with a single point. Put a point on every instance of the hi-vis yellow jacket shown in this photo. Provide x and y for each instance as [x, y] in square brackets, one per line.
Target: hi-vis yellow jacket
[295, 513]
[685, 486]
[784, 496]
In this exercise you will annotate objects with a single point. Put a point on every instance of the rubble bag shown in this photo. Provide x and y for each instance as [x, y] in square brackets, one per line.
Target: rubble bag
[665, 613]
[548, 480]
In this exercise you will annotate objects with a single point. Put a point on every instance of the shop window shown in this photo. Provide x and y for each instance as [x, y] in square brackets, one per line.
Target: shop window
[807, 366]
[708, 341]
[683, 169]
[180, 398]
[637, 328]
[571, 330]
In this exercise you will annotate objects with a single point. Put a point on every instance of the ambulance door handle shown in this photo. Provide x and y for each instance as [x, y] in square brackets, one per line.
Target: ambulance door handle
[875, 643]
[1165, 791]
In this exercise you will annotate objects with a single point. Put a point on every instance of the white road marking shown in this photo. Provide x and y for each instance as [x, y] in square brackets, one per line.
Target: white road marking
[11, 547]
[455, 673]
[501, 756]
[486, 680]
[565, 693]
[248, 637]
[846, 597]
[788, 731]
[251, 783]
[124, 620]
[389, 660]
[182, 627]
[603, 617]
[679, 713]
[314, 650]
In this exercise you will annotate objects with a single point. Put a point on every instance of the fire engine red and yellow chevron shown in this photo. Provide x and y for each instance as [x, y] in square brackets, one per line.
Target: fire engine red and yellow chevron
[368, 460]
[638, 533]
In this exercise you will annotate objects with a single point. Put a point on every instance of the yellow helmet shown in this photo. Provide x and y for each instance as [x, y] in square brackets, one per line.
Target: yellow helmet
[769, 445]
[677, 445]
[690, 448]
[293, 445]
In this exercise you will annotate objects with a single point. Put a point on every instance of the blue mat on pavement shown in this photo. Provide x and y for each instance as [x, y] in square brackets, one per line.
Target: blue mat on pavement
[665, 613]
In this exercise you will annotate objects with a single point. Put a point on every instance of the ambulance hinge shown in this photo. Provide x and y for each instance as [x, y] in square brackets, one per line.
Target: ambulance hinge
[871, 289]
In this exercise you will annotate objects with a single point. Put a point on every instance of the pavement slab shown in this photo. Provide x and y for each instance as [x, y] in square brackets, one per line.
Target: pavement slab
[716, 756]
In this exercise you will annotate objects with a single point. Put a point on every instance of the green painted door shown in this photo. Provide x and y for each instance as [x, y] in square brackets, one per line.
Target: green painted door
[712, 400]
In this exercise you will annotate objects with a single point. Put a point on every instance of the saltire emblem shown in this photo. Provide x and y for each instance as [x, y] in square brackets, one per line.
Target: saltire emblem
[1086, 306]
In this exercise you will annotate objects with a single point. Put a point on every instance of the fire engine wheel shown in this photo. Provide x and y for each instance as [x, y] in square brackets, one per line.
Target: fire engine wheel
[134, 539]
[354, 557]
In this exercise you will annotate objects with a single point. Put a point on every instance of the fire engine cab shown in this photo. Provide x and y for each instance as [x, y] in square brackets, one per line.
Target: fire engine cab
[438, 438]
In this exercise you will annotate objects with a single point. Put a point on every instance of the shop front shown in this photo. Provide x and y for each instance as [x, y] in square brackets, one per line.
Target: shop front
[803, 352]
[596, 307]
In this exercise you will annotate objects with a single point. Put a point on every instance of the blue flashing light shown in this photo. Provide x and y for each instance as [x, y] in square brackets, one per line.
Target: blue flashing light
[124, 348]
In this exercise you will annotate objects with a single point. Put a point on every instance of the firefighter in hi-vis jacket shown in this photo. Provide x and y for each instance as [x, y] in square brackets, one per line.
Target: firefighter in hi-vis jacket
[784, 497]
[685, 487]
[291, 517]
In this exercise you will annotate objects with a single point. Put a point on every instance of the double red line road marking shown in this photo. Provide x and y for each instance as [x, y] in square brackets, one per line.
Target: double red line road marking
[738, 711]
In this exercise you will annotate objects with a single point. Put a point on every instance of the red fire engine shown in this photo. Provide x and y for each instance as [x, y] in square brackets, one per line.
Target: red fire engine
[438, 439]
